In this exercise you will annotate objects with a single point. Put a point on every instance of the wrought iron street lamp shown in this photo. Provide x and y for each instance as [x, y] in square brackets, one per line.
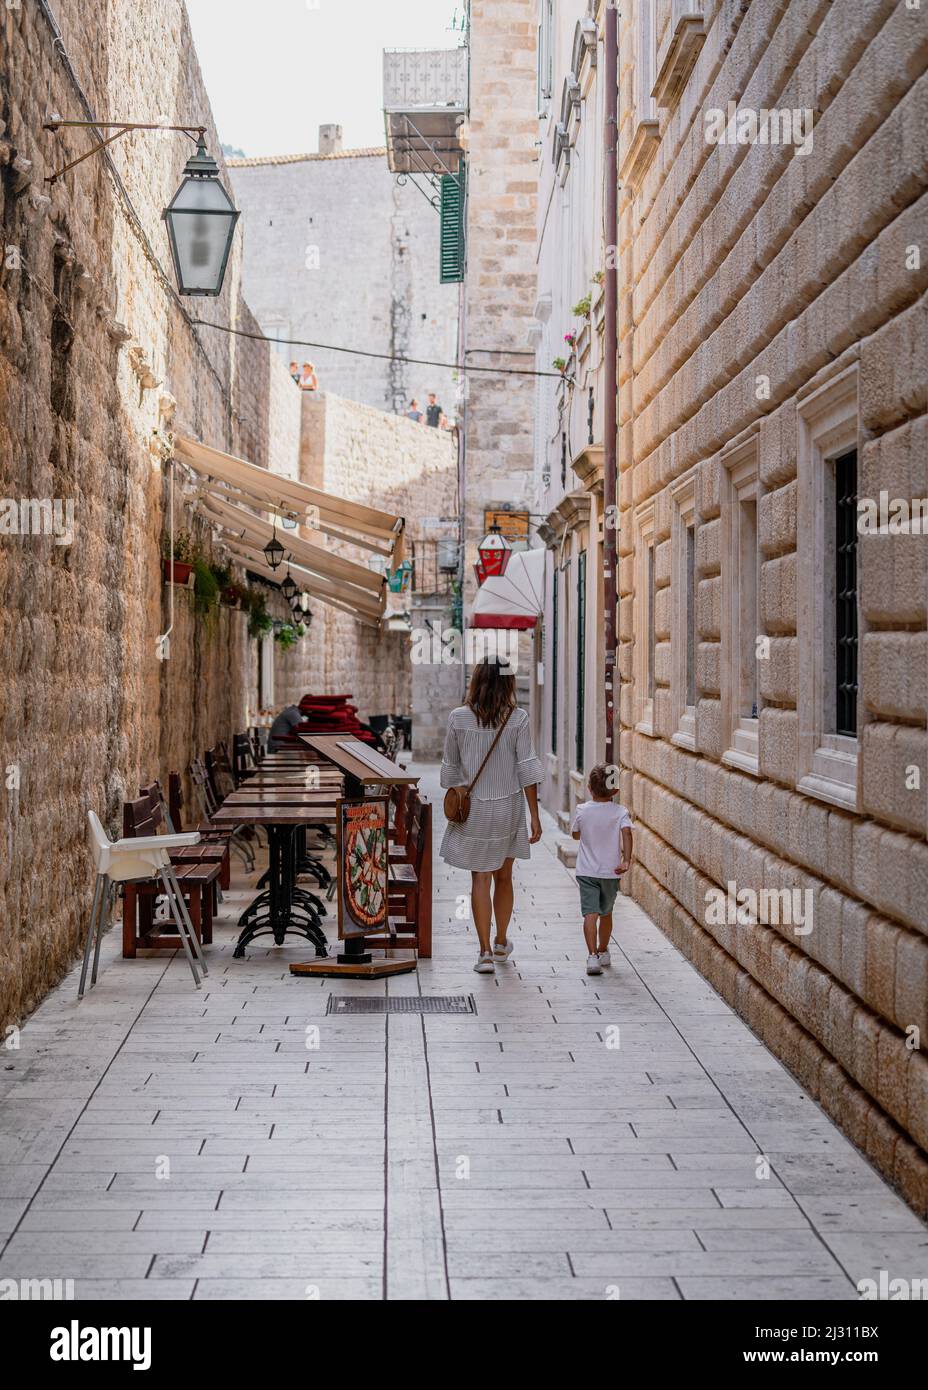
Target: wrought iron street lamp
[274, 551]
[201, 220]
[288, 588]
[201, 216]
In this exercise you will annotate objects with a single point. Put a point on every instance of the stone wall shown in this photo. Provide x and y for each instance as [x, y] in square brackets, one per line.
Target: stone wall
[337, 252]
[386, 461]
[773, 316]
[87, 318]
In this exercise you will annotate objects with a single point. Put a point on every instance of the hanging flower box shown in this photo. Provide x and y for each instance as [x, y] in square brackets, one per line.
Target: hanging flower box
[177, 571]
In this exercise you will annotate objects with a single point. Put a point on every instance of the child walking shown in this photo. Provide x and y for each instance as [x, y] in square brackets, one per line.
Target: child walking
[604, 830]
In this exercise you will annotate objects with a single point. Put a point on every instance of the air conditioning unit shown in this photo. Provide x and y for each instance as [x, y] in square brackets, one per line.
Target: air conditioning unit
[448, 552]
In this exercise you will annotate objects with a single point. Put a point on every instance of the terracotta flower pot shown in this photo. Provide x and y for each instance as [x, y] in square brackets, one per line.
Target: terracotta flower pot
[177, 571]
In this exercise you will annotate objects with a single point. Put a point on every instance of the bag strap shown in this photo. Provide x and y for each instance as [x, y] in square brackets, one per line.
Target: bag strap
[499, 734]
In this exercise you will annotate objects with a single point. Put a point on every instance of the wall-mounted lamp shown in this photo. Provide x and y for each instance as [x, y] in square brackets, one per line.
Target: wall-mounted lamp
[201, 216]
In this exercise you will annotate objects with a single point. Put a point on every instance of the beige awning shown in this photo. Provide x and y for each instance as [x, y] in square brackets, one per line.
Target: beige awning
[238, 481]
[321, 589]
[319, 562]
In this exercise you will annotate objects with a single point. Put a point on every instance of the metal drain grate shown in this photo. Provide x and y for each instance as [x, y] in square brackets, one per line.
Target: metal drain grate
[402, 1004]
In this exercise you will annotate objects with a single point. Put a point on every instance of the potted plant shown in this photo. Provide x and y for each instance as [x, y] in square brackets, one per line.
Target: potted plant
[205, 587]
[230, 593]
[287, 636]
[178, 565]
[260, 622]
[232, 596]
[559, 364]
[581, 309]
[571, 340]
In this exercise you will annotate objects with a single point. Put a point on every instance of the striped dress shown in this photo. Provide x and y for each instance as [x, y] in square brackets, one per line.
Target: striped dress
[495, 830]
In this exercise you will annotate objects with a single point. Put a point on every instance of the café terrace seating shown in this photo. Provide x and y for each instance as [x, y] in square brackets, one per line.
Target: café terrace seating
[172, 878]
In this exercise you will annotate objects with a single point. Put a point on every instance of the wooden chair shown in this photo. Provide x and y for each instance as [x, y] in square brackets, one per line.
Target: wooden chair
[196, 881]
[203, 786]
[403, 799]
[214, 840]
[410, 890]
[244, 764]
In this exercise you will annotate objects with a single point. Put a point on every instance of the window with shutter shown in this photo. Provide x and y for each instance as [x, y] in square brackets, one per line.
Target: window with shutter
[452, 227]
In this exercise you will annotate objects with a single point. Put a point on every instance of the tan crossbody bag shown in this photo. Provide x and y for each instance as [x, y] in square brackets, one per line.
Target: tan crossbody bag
[457, 799]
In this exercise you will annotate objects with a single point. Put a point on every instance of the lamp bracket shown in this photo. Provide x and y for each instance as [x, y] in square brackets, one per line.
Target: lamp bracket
[195, 132]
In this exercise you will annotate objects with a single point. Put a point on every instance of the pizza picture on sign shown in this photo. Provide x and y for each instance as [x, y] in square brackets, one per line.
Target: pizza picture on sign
[363, 865]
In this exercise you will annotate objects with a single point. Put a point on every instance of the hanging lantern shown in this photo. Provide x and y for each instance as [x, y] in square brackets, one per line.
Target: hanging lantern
[288, 588]
[201, 220]
[494, 552]
[274, 551]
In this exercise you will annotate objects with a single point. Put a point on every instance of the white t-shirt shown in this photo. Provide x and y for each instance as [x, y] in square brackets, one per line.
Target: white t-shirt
[600, 824]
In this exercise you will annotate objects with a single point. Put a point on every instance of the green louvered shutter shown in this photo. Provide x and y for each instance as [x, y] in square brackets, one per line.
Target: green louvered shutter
[452, 227]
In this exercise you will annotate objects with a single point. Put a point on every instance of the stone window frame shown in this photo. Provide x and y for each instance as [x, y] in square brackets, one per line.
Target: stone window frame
[544, 80]
[740, 484]
[644, 541]
[645, 126]
[683, 517]
[828, 419]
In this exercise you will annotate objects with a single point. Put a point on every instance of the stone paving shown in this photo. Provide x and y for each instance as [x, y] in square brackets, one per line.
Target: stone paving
[579, 1138]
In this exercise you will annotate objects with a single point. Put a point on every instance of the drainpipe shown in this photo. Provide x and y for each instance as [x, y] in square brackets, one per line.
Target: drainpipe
[163, 644]
[611, 349]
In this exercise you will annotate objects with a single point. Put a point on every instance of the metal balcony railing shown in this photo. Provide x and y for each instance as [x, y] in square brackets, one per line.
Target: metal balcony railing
[425, 79]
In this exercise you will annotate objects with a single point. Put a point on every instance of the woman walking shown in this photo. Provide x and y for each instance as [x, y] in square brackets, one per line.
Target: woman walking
[490, 762]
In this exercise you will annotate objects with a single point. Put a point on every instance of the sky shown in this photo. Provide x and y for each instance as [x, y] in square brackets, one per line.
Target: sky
[276, 70]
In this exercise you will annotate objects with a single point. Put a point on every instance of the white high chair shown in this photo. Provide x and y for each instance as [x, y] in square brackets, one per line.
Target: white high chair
[134, 861]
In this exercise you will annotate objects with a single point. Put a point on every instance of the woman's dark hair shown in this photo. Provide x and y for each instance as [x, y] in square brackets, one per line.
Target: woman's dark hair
[492, 693]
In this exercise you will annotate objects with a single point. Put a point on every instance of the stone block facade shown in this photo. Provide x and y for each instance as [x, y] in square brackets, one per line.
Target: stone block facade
[773, 326]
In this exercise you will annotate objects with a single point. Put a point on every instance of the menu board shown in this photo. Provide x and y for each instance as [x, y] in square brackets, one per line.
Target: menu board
[362, 826]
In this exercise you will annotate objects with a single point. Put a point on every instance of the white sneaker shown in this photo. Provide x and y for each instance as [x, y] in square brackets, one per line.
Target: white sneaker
[485, 964]
[604, 957]
[502, 951]
[593, 966]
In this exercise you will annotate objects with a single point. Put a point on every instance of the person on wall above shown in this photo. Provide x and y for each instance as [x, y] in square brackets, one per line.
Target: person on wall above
[308, 380]
[414, 413]
[295, 372]
[433, 411]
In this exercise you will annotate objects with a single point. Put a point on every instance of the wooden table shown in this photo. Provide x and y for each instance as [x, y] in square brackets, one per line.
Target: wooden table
[361, 764]
[284, 907]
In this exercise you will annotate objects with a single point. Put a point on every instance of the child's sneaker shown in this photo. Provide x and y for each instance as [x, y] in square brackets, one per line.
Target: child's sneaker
[604, 957]
[485, 964]
[502, 950]
[593, 966]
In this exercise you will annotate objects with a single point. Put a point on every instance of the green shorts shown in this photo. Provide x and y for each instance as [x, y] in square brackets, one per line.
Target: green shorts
[597, 895]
